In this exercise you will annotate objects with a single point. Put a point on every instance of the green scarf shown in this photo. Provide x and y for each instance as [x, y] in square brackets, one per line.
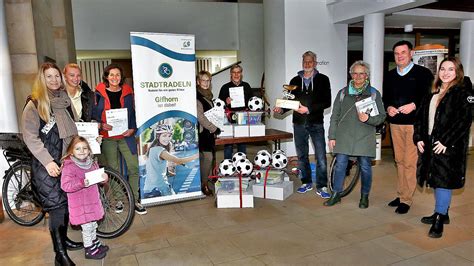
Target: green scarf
[356, 91]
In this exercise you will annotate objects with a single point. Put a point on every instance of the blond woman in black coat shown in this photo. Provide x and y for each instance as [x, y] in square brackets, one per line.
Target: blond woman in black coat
[442, 136]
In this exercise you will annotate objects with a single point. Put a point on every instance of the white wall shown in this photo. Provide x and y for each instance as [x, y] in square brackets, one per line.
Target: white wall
[106, 24]
[307, 26]
[251, 42]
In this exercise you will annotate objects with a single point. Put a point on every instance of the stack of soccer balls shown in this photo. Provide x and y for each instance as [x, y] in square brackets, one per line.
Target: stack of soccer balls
[240, 164]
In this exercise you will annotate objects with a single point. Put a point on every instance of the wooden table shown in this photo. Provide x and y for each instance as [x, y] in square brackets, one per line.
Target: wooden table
[274, 135]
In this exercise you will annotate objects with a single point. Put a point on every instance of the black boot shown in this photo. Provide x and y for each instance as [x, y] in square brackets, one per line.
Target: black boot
[334, 199]
[436, 230]
[364, 201]
[62, 258]
[430, 219]
[70, 244]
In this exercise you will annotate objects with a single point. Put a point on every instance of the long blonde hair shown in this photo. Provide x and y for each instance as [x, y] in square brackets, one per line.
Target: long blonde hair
[39, 92]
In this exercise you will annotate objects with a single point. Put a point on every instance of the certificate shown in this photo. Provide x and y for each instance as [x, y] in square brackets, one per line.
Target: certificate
[90, 132]
[367, 106]
[94, 177]
[236, 95]
[216, 116]
[118, 119]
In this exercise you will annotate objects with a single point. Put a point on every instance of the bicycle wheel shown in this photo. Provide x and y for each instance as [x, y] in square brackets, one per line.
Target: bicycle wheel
[351, 178]
[119, 206]
[20, 203]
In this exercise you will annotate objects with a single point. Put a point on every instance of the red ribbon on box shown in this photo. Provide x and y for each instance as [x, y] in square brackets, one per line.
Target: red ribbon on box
[265, 183]
[215, 176]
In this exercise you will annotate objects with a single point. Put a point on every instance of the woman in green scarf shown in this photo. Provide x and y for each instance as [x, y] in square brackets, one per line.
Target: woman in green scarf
[352, 130]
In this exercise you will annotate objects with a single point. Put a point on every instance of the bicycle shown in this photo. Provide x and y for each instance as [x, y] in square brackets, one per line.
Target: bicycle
[23, 208]
[351, 178]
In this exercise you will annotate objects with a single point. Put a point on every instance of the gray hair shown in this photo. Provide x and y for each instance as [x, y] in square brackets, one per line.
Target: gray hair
[309, 53]
[236, 66]
[360, 63]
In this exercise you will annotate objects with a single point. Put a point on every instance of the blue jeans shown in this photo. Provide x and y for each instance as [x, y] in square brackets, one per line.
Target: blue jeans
[443, 200]
[316, 132]
[365, 164]
[228, 150]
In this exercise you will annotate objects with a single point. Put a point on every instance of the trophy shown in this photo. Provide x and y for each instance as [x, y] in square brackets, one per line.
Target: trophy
[288, 102]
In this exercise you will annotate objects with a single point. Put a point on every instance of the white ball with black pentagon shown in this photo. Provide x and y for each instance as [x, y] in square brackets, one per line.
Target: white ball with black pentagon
[263, 159]
[278, 152]
[279, 160]
[244, 167]
[238, 156]
[255, 104]
[264, 152]
[226, 167]
[218, 102]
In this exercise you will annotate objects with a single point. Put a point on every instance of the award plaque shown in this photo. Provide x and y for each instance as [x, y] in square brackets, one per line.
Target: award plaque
[287, 101]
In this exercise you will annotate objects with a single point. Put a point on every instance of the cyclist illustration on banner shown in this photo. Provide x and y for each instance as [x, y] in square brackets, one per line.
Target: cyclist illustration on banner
[169, 157]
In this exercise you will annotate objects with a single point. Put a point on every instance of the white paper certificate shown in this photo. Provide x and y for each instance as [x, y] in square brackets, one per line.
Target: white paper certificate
[216, 116]
[94, 177]
[90, 132]
[367, 106]
[118, 119]
[237, 96]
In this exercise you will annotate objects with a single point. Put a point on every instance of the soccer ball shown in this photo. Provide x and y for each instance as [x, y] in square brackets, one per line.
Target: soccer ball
[226, 168]
[238, 156]
[279, 160]
[218, 102]
[255, 104]
[244, 167]
[264, 152]
[263, 159]
[278, 152]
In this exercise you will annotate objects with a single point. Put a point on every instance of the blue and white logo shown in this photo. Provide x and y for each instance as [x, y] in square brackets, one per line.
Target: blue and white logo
[165, 70]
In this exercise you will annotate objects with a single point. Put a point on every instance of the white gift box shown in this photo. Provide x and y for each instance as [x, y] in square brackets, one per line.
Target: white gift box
[227, 131]
[231, 199]
[279, 191]
[257, 130]
[241, 131]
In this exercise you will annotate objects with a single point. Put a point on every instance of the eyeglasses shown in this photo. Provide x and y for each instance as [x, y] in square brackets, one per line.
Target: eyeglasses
[358, 74]
[235, 72]
[205, 80]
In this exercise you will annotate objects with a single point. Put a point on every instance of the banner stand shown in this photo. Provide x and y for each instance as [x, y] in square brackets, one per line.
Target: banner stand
[167, 130]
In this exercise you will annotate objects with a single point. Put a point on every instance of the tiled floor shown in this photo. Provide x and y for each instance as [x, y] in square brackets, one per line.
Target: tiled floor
[298, 231]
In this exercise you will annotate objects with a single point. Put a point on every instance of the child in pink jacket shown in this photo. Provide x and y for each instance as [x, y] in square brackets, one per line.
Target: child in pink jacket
[84, 204]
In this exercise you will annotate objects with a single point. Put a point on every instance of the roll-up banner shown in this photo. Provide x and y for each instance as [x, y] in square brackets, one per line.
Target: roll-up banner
[165, 102]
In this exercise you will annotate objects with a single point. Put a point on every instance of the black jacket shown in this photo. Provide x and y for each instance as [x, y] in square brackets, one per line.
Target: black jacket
[400, 90]
[87, 100]
[47, 188]
[451, 127]
[224, 93]
[206, 138]
[317, 97]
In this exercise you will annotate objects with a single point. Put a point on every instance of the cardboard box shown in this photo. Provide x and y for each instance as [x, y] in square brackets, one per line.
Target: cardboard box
[257, 130]
[231, 199]
[227, 131]
[241, 131]
[279, 191]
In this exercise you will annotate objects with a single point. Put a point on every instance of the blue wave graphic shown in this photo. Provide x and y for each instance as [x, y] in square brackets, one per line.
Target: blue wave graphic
[135, 40]
[163, 116]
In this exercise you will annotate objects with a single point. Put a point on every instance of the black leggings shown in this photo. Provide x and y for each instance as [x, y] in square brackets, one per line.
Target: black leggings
[58, 217]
